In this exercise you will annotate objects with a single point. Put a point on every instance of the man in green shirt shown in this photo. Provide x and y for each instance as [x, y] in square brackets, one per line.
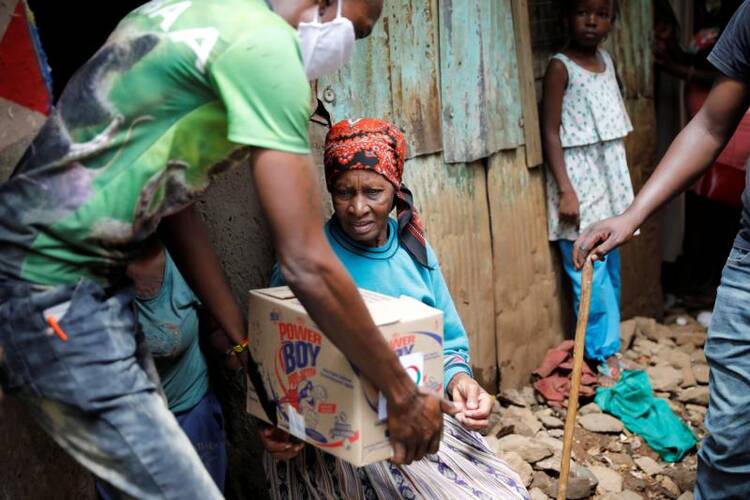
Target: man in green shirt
[182, 90]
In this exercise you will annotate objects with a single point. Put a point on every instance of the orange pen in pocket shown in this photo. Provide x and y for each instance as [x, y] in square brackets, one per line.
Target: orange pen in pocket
[52, 322]
[52, 314]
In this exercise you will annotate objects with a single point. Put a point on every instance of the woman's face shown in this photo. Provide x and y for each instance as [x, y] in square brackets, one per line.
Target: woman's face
[362, 200]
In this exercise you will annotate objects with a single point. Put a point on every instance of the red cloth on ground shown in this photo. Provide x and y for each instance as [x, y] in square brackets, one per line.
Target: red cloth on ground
[554, 375]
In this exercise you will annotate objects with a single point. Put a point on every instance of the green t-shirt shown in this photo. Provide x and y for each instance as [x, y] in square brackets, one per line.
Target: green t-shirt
[174, 96]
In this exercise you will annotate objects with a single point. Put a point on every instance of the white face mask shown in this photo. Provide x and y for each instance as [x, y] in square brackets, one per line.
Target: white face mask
[326, 46]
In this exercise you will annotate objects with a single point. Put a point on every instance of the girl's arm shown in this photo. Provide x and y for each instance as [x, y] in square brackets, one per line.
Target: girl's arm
[455, 339]
[188, 243]
[691, 153]
[555, 81]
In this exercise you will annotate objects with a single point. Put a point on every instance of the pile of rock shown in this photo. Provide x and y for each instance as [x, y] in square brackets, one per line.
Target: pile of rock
[609, 462]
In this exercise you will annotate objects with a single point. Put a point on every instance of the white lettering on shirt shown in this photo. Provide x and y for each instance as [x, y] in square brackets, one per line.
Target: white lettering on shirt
[170, 13]
[200, 40]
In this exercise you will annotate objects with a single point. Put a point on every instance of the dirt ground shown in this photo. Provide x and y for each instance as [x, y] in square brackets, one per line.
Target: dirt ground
[610, 462]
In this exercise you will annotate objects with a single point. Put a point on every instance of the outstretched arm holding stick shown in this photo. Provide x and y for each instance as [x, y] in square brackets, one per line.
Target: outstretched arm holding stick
[691, 153]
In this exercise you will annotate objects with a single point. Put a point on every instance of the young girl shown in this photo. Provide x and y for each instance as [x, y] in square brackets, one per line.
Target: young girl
[584, 125]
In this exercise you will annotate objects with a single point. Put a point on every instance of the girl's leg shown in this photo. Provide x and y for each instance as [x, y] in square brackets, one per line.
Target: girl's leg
[613, 308]
[603, 332]
[614, 268]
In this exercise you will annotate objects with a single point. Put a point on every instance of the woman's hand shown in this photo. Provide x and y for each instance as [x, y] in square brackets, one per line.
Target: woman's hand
[570, 210]
[474, 403]
[280, 444]
[603, 236]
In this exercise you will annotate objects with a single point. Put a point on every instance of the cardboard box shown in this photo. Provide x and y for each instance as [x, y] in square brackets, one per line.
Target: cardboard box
[317, 393]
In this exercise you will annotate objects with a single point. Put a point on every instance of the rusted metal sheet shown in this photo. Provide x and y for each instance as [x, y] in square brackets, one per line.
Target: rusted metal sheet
[630, 45]
[452, 200]
[482, 108]
[641, 265]
[532, 135]
[528, 294]
[394, 75]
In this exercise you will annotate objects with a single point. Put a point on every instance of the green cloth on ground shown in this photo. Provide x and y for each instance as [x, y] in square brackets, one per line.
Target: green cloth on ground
[633, 402]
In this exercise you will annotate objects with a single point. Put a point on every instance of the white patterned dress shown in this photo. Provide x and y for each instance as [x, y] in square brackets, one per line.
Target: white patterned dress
[594, 124]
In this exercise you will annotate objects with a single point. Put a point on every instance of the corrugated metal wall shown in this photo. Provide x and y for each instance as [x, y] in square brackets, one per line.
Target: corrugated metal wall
[630, 45]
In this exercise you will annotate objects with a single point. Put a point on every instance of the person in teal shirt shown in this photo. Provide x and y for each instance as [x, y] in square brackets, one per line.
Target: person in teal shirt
[364, 163]
[168, 315]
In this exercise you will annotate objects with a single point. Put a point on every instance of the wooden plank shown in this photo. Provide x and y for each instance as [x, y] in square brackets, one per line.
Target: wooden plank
[529, 302]
[478, 79]
[630, 46]
[532, 134]
[393, 74]
[452, 200]
[641, 265]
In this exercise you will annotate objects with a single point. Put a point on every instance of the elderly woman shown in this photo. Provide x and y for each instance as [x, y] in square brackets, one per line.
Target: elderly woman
[364, 163]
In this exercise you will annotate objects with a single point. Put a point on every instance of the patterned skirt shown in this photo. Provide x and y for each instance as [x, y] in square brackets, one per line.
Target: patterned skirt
[464, 467]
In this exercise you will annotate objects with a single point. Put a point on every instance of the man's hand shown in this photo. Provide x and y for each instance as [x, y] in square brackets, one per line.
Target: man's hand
[280, 444]
[415, 425]
[473, 404]
[603, 236]
[570, 210]
[221, 344]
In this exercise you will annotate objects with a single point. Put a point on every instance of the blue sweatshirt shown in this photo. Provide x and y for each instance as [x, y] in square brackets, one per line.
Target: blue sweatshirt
[390, 270]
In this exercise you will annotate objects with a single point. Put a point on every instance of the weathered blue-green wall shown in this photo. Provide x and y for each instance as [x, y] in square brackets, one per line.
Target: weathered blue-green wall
[479, 79]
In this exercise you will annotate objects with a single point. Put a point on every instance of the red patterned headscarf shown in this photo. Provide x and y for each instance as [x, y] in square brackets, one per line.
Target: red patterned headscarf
[377, 145]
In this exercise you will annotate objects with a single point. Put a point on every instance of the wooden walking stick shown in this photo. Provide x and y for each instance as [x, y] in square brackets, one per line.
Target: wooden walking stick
[575, 383]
